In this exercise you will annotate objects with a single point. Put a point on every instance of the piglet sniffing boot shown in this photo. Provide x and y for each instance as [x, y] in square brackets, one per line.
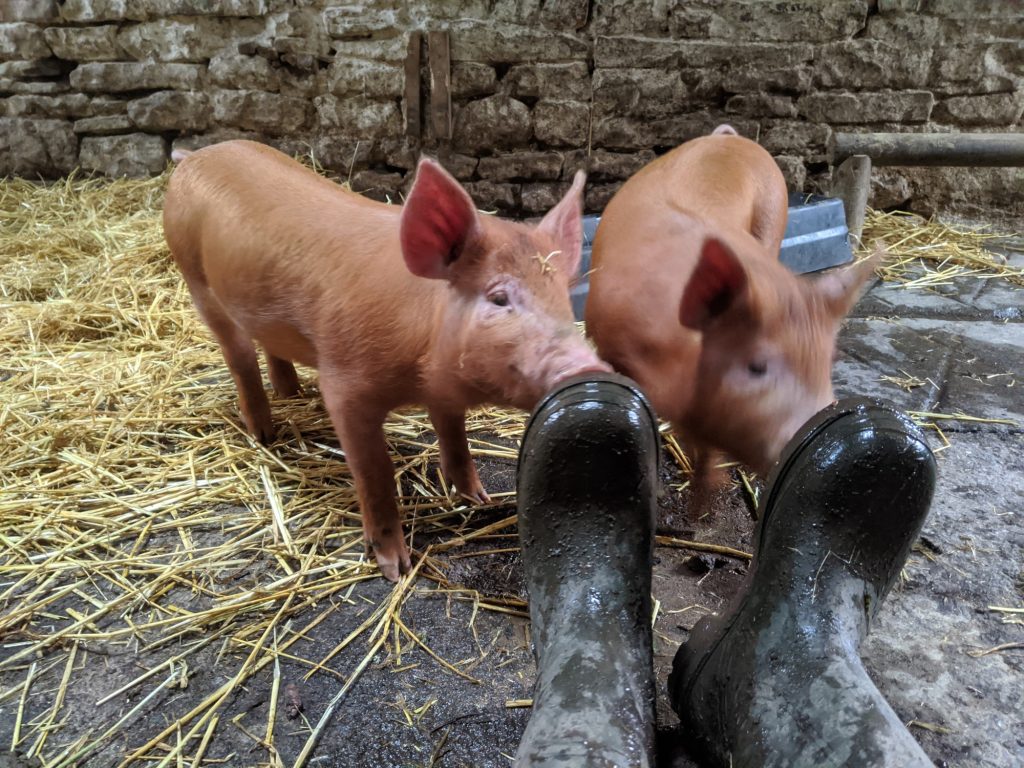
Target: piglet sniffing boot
[587, 480]
[777, 679]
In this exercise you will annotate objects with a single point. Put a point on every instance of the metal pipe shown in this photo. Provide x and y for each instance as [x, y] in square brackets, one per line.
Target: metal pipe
[937, 149]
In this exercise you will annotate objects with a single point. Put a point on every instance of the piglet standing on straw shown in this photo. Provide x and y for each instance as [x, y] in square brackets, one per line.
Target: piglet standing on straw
[427, 303]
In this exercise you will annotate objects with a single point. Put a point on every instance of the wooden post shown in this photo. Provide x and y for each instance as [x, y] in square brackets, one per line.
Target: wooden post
[440, 84]
[851, 182]
[413, 105]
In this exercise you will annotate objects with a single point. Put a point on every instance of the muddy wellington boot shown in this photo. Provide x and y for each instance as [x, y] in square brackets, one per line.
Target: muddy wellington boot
[587, 479]
[776, 680]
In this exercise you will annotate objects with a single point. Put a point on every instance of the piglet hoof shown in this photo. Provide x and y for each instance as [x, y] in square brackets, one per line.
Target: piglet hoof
[392, 558]
[467, 483]
[477, 495]
[261, 428]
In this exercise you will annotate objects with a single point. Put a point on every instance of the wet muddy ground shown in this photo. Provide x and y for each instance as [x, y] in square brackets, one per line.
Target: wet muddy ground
[947, 660]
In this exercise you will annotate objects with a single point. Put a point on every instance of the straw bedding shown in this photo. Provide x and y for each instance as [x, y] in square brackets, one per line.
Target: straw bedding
[135, 513]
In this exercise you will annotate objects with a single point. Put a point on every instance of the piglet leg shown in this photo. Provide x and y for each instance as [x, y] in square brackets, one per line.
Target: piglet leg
[456, 461]
[360, 427]
[240, 355]
[709, 479]
[283, 376]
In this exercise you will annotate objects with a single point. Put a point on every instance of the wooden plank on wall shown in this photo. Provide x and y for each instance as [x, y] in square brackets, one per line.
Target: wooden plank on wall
[413, 104]
[440, 84]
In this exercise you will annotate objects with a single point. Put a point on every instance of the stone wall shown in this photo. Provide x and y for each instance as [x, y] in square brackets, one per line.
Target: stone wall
[516, 95]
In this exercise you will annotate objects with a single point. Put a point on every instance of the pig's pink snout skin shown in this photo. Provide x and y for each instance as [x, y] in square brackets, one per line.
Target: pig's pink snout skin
[576, 365]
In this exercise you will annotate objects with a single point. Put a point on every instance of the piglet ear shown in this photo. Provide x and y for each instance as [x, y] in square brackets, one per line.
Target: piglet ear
[840, 288]
[564, 223]
[438, 218]
[715, 285]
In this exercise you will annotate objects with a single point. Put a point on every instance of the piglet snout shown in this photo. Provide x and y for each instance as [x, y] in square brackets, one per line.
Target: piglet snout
[575, 363]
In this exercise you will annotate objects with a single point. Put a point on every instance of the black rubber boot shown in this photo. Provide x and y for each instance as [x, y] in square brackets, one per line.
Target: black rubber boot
[776, 680]
[586, 485]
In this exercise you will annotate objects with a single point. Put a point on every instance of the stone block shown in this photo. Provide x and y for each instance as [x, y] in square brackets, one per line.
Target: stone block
[539, 198]
[391, 50]
[462, 167]
[562, 123]
[135, 155]
[54, 107]
[781, 20]
[597, 196]
[17, 86]
[957, 9]
[972, 192]
[100, 77]
[521, 165]
[189, 41]
[370, 18]
[990, 109]
[104, 125]
[37, 68]
[1007, 29]
[972, 69]
[171, 111]
[794, 171]
[489, 195]
[898, 28]
[38, 11]
[359, 116]
[22, 41]
[873, 107]
[377, 185]
[104, 10]
[472, 80]
[872, 64]
[634, 51]
[84, 43]
[627, 133]
[304, 84]
[898, 6]
[549, 81]
[603, 164]
[496, 122]
[230, 70]
[269, 113]
[424, 14]
[750, 78]
[800, 138]
[629, 51]
[399, 152]
[369, 78]
[486, 42]
[638, 92]
[761, 105]
[32, 148]
[568, 15]
[341, 152]
[630, 17]
[143, 10]
[889, 189]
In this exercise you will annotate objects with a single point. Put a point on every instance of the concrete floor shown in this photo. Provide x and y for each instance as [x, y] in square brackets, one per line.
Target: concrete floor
[956, 350]
[965, 344]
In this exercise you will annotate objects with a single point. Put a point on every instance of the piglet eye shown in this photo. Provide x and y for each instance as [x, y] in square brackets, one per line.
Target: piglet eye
[498, 298]
[758, 368]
